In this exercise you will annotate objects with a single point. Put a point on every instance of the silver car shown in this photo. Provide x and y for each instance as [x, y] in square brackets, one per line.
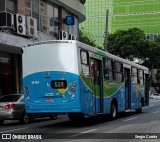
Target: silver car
[155, 96]
[12, 107]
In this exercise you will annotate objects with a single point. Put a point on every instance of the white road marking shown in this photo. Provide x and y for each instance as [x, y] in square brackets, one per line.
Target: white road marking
[83, 132]
[13, 130]
[89, 131]
[130, 119]
[155, 112]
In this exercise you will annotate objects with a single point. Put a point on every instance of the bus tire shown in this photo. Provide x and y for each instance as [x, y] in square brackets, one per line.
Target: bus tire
[25, 118]
[53, 116]
[139, 110]
[113, 110]
[1, 122]
[75, 116]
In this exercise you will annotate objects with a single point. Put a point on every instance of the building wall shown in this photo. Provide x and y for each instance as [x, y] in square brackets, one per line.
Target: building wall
[142, 14]
[95, 23]
[50, 15]
[76, 6]
[123, 14]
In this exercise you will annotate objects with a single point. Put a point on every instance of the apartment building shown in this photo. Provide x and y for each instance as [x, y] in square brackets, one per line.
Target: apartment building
[27, 21]
[123, 14]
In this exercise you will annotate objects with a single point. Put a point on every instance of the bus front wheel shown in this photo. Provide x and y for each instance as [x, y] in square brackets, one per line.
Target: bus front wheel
[75, 116]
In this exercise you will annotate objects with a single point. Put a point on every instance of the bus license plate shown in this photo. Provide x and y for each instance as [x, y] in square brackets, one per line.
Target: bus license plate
[59, 84]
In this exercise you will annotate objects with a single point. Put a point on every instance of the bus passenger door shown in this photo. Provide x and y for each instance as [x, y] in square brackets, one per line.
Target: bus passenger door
[147, 89]
[127, 88]
[96, 74]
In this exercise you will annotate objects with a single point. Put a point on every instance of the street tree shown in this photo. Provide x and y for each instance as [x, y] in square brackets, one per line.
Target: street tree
[85, 38]
[129, 44]
[156, 84]
[132, 44]
[155, 61]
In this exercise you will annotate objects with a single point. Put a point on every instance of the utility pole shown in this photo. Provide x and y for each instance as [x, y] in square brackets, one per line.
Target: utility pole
[106, 31]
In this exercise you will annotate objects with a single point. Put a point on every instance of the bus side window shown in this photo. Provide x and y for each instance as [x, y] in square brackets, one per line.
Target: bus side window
[118, 71]
[140, 77]
[134, 76]
[85, 63]
[108, 69]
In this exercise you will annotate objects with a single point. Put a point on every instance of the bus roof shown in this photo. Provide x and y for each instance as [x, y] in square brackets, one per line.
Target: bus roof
[85, 46]
[92, 49]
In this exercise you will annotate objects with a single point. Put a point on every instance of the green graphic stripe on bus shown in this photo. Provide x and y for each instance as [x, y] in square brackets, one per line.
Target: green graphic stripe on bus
[89, 84]
[96, 90]
[109, 88]
[87, 81]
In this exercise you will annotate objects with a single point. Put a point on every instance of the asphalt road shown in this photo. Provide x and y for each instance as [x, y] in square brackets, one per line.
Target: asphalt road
[128, 126]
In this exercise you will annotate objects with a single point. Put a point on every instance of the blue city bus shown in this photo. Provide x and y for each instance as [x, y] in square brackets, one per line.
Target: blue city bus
[70, 77]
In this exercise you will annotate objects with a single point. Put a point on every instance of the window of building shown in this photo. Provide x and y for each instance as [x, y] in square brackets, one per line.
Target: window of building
[108, 69]
[155, 36]
[42, 7]
[118, 71]
[11, 6]
[56, 21]
[27, 7]
[36, 16]
[28, 3]
[134, 75]
[75, 27]
[43, 16]
[35, 12]
[52, 22]
[35, 5]
[55, 14]
[43, 23]
[46, 14]
[152, 36]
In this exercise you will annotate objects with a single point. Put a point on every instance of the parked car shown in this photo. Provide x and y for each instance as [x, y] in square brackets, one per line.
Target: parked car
[155, 96]
[12, 107]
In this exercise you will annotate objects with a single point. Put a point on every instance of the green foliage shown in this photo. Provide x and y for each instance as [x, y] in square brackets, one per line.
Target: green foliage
[155, 60]
[157, 84]
[128, 44]
[83, 1]
[132, 44]
[84, 38]
[158, 40]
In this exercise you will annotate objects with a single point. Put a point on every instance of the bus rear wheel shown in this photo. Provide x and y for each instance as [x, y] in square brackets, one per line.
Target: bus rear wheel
[1, 122]
[25, 118]
[75, 116]
[53, 116]
[113, 111]
[139, 110]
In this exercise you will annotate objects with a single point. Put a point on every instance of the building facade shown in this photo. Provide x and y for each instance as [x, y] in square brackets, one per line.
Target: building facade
[26, 21]
[123, 14]
[95, 23]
